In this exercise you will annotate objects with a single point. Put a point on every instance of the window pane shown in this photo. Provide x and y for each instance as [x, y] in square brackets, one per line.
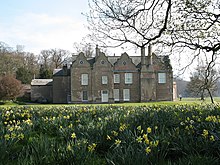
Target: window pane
[161, 78]
[126, 94]
[84, 79]
[116, 78]
[104, 80]
[116, 94]
[128, 78]
[84, 95]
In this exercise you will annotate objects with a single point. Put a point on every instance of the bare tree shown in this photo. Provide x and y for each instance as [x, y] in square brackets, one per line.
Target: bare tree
[201, 85]
[53, 58]
[44, 58]
[10, 87]
[135, 22]
[58, 57]
[86, 48]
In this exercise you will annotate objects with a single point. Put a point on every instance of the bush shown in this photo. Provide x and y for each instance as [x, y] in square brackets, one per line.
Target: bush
[10, 88]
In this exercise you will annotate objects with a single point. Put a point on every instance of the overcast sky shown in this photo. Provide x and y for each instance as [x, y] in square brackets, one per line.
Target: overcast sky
[42, 24]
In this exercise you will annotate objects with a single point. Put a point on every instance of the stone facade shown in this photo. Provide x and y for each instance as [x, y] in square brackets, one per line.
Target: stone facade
[42, 90]
[109, 79]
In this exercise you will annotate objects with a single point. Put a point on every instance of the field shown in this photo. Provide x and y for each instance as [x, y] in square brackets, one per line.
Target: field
[166, 134]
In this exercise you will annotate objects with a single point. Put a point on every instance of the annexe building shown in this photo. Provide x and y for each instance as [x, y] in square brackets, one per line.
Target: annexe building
[109, 79]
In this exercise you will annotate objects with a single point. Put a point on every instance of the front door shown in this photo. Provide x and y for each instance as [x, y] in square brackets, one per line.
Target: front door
[104, 96]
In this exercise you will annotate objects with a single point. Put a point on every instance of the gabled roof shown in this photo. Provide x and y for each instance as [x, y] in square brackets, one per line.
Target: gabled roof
[113, 59]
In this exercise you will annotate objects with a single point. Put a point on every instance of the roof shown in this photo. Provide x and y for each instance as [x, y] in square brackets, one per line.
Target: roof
[43, 82]
[61, 72]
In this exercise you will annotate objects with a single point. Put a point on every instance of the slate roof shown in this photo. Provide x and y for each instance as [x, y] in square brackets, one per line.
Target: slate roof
[43, 82]
[60, 72]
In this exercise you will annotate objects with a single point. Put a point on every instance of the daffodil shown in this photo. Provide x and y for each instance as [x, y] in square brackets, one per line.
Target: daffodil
[205, 133]
[147, 141]
[73, 136]
[139, 128]
[117, 141]
[69, 148]
[21, 136]
[108, 137]
[92, 147]
[139, 139]
[148, 130]
[7, 137]
[212, 138]
[115, 133]
[148, 150]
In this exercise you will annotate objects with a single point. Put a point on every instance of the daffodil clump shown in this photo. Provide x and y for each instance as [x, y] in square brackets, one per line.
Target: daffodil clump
[108, 134]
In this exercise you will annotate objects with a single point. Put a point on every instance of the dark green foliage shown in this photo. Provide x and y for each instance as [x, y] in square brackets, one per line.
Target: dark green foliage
[45, 73]
[24, 75]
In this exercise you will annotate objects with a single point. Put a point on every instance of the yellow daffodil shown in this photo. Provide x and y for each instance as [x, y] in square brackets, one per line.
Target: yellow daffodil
[148, 150]
[139, 128]
[148, 130]
[115, 133]
[69, 148]
[212, 138]
[108, 137]
[147, 141]
[205, 133]
[117, 141]
[7, 137]
[92, 147]
[139, 139]
[21, 136]
[73, 136]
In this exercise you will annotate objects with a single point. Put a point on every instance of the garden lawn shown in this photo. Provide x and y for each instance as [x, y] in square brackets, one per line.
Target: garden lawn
[111, 134]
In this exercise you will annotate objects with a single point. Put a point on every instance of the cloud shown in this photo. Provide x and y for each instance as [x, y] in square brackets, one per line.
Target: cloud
[41, 31]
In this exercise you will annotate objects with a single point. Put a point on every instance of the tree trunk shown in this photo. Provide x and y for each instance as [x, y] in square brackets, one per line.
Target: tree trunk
[210, 94]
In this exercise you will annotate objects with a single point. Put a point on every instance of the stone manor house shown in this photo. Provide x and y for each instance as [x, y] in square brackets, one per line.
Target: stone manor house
[108, 79]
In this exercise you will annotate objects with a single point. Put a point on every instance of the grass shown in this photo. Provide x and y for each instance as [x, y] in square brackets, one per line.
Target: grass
[186, 100]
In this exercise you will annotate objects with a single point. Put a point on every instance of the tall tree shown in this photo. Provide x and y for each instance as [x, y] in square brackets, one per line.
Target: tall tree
[24, 75]
[58, 57]
[135, 22]
[203, 84]
[53, 58]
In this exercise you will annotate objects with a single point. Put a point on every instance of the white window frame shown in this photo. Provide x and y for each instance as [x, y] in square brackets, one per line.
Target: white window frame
[104, 79]
[161, 78]
[116, 94]
[126, 94]
[116, 78]
[128, 78]
[84, 79]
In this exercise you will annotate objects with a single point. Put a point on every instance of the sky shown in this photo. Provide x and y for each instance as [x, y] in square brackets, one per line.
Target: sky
[43, 24]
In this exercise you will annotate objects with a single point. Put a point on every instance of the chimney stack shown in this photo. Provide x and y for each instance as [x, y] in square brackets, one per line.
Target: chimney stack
[143, 60]
[150, 54]
[96, 51]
